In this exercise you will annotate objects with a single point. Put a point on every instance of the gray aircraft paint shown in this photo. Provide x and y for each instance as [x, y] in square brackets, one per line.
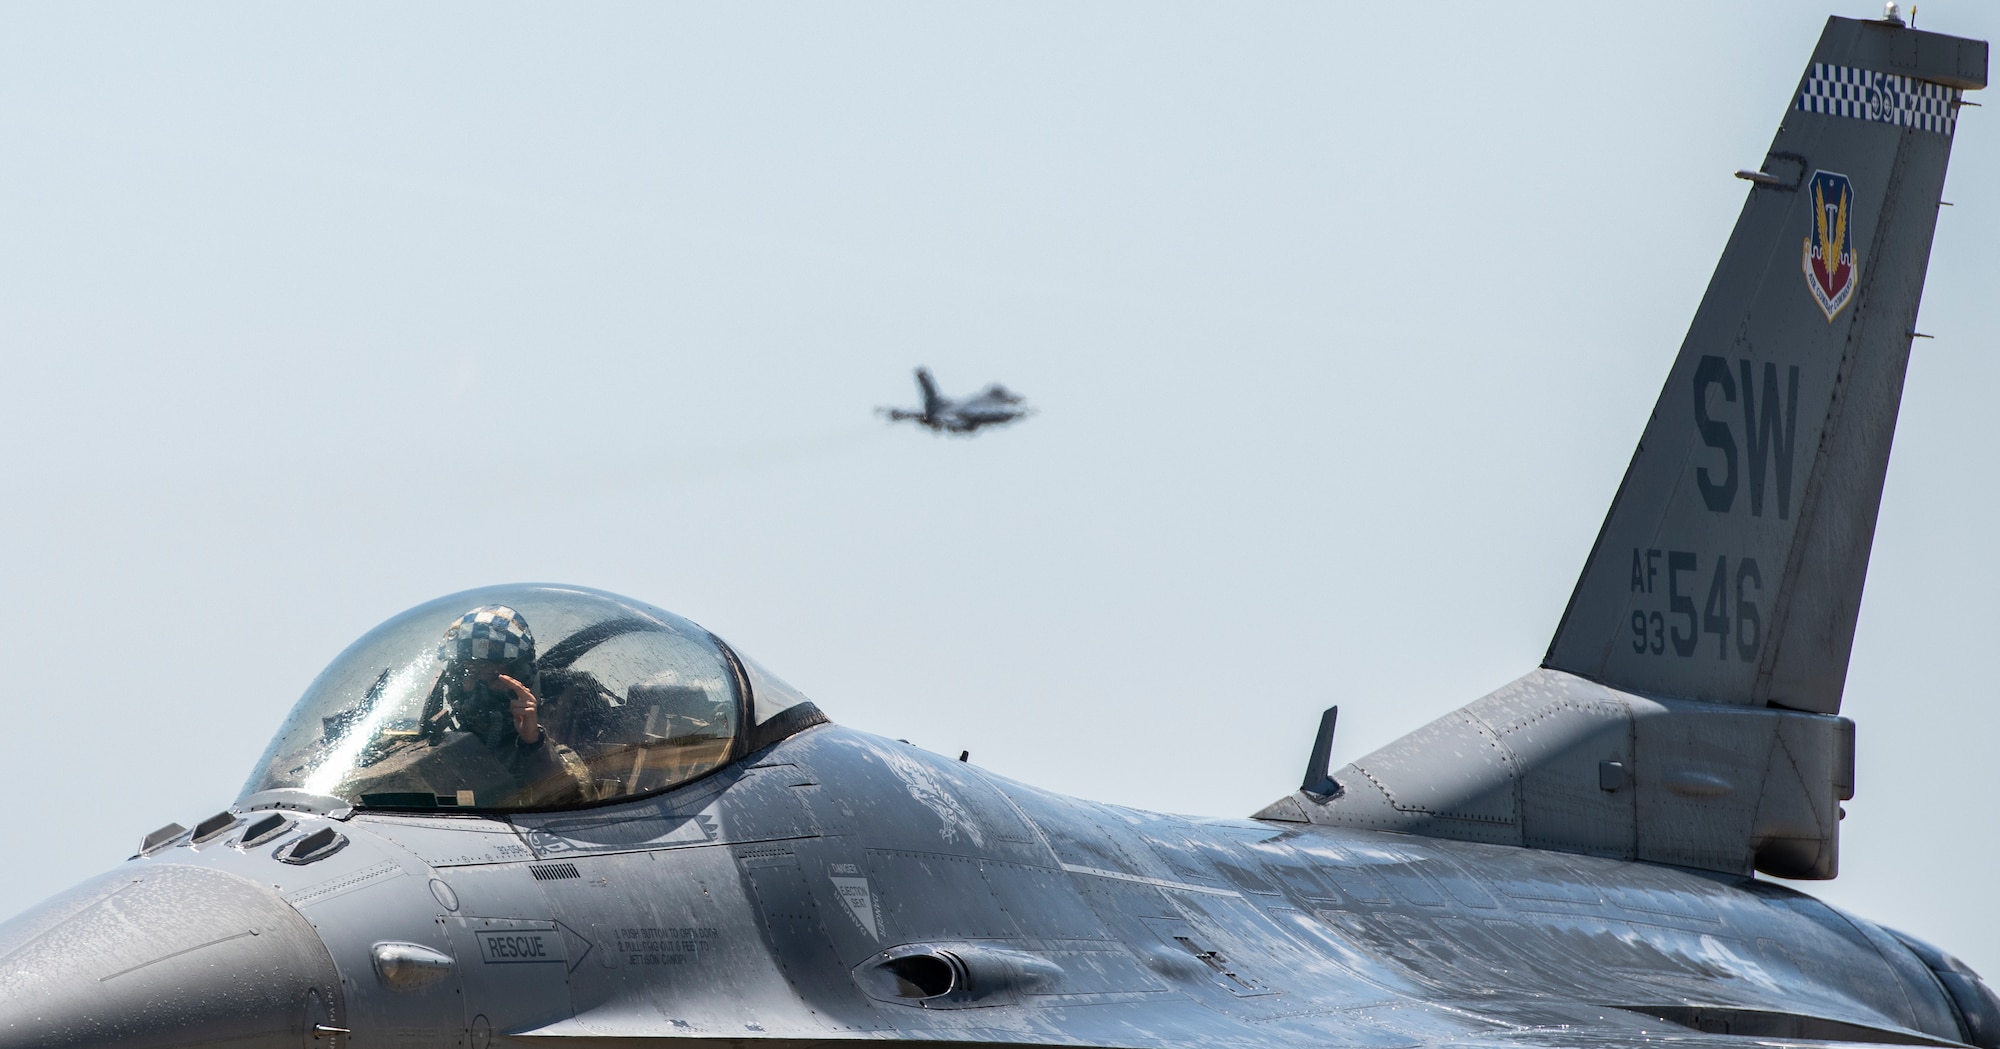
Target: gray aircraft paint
[1739, 538]
[1565, 862]
[1060, 922]
[995, 405]
[1686, 712]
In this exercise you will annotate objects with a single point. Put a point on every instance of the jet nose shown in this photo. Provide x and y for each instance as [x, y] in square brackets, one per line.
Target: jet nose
[159, 956]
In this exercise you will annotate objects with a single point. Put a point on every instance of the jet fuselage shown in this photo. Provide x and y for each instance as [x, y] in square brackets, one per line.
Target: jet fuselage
[841, 885]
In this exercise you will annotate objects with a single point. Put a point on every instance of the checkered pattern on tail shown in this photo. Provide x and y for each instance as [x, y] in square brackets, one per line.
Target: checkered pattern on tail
[488, 632]
[1845, 91]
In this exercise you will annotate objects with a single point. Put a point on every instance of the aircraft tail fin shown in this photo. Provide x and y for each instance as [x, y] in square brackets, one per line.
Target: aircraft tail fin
[932, 402]
[1730, 566]
[1686, 712]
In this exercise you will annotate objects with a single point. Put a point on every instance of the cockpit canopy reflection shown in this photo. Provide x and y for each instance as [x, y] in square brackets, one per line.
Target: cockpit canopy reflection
[521, 697]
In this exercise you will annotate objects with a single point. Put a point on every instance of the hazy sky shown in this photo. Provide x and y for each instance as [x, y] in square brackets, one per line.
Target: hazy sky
[1342, 321]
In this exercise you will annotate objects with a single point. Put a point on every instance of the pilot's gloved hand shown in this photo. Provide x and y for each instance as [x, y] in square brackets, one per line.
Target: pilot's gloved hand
[527, 724]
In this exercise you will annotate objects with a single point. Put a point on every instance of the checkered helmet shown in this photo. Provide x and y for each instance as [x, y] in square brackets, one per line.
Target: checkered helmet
[493, 632]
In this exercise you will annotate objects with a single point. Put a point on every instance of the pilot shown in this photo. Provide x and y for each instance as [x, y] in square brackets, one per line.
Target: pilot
[489, 690]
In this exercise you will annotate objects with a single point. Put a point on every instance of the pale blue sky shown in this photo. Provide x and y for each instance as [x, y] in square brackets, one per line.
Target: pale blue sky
[1342, 321]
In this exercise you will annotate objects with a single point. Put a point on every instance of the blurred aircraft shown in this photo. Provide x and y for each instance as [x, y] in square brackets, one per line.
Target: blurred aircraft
[993, 406]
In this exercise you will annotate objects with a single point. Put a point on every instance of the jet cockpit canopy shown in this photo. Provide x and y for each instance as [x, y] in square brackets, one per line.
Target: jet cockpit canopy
[525, 697]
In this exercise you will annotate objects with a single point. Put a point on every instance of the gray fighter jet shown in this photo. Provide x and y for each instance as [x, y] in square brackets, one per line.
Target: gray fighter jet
[546, 816]
[993, 406]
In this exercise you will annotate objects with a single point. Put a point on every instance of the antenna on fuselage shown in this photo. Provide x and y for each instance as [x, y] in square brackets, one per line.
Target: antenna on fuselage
[1317, 781]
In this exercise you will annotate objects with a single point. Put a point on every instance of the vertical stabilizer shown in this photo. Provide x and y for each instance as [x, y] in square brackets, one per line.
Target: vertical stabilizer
[1730, 566]
[928, 386]
[1687, 712]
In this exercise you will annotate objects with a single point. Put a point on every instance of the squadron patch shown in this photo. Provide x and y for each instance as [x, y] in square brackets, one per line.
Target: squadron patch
[1831, 263]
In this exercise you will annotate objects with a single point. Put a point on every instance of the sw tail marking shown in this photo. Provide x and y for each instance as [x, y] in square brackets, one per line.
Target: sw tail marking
[1769, 434]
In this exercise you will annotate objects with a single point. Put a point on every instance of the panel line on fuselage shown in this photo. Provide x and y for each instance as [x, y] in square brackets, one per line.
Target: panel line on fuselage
[1137, 879]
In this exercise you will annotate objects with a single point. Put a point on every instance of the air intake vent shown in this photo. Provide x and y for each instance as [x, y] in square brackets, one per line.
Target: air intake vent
[213, 826]
[264, 829]
[160, 839]
[957, 975]
[318, 845]
[553, 871]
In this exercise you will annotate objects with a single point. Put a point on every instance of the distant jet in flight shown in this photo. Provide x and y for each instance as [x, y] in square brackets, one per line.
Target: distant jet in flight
[992, 406]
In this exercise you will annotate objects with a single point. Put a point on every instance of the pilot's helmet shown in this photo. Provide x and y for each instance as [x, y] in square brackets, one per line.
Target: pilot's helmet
[492, 633]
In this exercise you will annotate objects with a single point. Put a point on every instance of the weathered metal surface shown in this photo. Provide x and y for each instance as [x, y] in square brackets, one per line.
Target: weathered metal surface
[1705, 785]
[160, 953]
[1564, 863]
[1731, 564]
[1073, 923]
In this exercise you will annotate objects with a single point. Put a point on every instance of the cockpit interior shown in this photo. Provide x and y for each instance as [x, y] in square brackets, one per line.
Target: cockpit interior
[522, 698]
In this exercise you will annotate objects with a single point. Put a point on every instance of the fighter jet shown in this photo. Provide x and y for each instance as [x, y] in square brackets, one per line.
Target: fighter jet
[549, 816]
[993, 406]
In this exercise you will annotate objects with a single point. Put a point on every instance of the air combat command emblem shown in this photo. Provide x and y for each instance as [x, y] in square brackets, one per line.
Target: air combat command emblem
[1832, 265]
